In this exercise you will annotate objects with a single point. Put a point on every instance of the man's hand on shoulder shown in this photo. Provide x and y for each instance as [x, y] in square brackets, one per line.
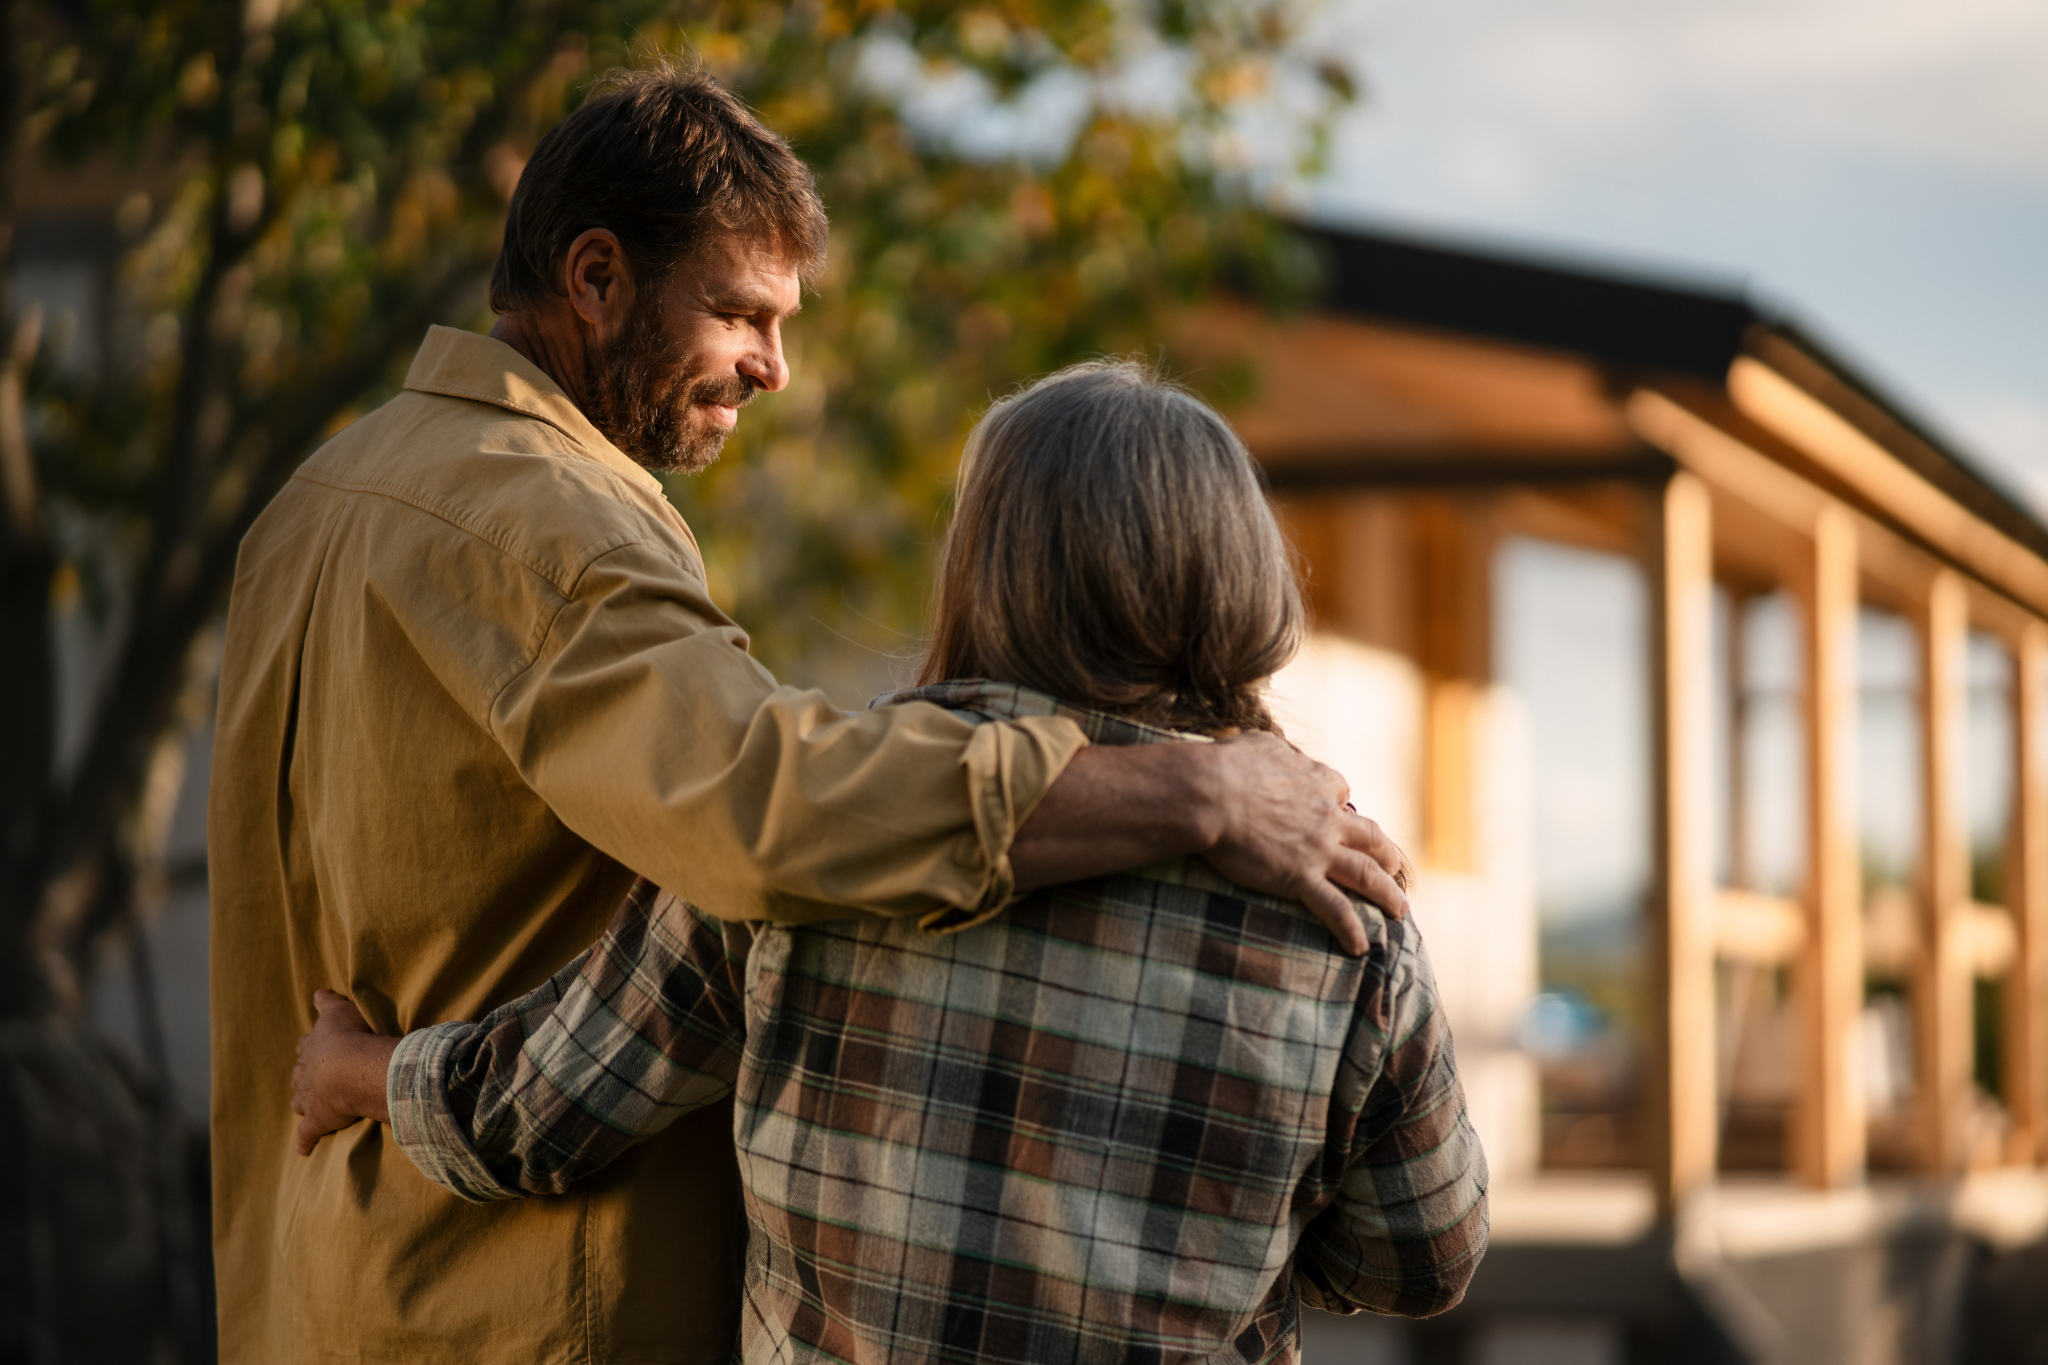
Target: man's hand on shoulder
[1253, 807]
[1283, 824]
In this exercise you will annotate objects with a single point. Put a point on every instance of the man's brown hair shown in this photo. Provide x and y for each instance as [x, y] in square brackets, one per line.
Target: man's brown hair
[660, 155]
[1112, 545]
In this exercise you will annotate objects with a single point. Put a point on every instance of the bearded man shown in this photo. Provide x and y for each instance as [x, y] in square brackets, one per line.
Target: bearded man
[474, 683]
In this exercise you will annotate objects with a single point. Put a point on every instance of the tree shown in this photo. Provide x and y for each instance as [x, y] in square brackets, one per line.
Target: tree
[1012, 186]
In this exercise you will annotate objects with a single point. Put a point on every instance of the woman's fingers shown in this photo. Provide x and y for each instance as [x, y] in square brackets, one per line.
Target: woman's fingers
[337, 1011]
[334, 1014]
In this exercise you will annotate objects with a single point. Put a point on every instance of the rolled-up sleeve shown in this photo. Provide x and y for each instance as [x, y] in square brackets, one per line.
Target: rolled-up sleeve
[645, 1027]
[650, 731]
[425, 1125]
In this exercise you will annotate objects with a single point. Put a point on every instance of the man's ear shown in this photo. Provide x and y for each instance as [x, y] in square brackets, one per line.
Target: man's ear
[599, 287]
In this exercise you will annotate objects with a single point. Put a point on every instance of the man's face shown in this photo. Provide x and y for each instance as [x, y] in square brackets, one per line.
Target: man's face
[668, 387]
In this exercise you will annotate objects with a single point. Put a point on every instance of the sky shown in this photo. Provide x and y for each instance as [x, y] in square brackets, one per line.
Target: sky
[1878, 169]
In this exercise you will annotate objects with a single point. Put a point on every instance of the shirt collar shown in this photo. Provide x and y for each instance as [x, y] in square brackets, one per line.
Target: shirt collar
[980, 699]
[464, 365]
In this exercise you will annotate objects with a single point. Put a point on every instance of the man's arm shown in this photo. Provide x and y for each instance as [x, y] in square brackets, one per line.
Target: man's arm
[644, 1028]
[650, 732]
[1409, 1224]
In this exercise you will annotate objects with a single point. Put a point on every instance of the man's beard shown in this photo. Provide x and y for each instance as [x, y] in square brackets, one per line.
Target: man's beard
[637, 391]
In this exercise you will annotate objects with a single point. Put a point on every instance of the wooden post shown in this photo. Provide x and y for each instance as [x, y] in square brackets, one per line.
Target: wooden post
[2026, 989]
[1735, 810]
[1682, 1070]
[1452, 543]
[1829, 1126]
[1943, 1033]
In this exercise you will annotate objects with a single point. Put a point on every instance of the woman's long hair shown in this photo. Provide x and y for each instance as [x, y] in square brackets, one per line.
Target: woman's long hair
[1112, 545]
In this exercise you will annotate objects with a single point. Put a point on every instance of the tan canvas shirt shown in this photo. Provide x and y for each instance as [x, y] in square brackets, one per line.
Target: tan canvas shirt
[473, 684]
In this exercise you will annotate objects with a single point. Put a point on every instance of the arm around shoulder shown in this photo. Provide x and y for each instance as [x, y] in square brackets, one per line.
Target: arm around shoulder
[647, 728]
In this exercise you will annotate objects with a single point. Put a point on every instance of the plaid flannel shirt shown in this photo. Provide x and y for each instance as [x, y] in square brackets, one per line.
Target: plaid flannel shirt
[1140, 1117]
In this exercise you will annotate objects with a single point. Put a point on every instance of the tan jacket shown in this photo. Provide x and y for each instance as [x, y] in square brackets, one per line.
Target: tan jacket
[474, 683]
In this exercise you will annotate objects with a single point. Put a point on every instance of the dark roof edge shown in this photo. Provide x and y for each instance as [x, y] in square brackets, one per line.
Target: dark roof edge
[1628, 322]
[1632, 322]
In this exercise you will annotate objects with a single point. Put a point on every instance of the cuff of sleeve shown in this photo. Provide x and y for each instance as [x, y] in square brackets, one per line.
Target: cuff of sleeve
[422, 1121]
[1010, 765]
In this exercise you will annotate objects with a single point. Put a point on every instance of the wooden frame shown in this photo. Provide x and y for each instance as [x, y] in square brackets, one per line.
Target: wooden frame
[1683, 1103]
[1942, 978]
[1829, 1124]
[1767, 488]
[2026, 997]
[1816, 431]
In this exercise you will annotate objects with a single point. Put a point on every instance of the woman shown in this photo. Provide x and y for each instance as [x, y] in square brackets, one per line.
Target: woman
[1144, 1116]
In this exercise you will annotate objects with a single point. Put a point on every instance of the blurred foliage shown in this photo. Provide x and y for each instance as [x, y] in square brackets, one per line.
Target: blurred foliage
[320, 180]
[954, 276]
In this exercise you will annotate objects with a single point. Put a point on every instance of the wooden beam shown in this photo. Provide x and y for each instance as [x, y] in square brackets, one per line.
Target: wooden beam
[1943, 1032]
[2026, 989]
[1829, 1127]
[1991, 941]
[1735, 744]
[1723, 461]
[1996, 614]
[1895, 571]
[1355, 468]
[1453, 543]
[1358, 565]
[1762, 931]
[1310, 525]
[1895, 568]
[1682, 1071]
[1602, 519]
[1829, 1123]
[1827, 438]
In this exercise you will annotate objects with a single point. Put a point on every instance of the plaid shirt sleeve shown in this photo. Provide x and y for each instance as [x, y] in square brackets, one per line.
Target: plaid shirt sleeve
[1409, 1224]
[645, 1027]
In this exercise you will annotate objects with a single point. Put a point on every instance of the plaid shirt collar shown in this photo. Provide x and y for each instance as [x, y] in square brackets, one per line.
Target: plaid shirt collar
[980, 700]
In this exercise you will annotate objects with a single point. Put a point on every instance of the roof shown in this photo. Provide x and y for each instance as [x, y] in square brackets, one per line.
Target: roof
[1630, 330]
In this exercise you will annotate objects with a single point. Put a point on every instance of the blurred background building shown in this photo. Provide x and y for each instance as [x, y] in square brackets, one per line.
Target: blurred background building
[1697, 655]
[1787, 1105]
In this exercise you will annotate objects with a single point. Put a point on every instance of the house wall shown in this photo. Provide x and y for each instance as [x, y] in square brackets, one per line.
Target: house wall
[1362, 710]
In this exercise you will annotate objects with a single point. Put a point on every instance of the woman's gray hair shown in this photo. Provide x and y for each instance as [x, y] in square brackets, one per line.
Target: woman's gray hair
[1112, 545]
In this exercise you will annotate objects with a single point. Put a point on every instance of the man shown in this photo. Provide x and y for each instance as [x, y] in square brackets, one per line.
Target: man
[474, 683]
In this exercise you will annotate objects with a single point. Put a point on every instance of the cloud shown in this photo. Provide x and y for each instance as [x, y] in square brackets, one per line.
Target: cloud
[1563, 85]
[1959, 80]
[2012, 432]
[959, 108]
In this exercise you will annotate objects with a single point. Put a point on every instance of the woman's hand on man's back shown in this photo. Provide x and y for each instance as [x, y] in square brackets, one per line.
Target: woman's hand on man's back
[339, 1075]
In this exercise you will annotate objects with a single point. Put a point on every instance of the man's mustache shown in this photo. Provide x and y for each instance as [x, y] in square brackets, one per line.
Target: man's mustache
[728, 390]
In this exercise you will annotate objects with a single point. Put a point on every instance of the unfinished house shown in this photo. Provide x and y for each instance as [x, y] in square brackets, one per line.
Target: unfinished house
[1811, 1125]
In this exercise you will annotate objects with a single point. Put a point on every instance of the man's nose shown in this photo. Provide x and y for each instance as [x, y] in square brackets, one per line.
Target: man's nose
[764, 367]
